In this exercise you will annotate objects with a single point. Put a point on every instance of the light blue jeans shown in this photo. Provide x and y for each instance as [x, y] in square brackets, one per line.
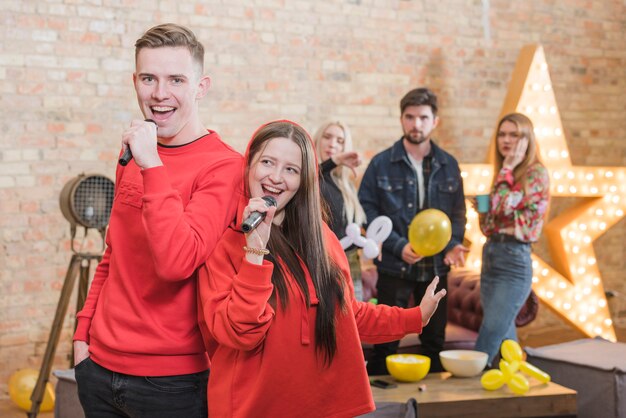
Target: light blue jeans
[505, 282]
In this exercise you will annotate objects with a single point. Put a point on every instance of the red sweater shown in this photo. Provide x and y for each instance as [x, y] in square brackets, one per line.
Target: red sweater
[140, 316]
[264, 362]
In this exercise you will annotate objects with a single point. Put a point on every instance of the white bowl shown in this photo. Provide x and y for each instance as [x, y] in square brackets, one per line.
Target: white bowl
[463, 363]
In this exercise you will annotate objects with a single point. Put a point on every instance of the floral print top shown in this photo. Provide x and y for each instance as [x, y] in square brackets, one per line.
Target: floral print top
[511, 207]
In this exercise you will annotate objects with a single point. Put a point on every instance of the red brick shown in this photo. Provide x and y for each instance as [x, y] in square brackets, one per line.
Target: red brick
[56, 127]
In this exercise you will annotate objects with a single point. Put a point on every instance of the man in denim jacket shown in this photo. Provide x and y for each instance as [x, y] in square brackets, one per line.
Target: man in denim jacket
[413, 175]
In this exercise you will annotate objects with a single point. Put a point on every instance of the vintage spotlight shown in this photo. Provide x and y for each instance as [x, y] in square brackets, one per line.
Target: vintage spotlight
[86, 201]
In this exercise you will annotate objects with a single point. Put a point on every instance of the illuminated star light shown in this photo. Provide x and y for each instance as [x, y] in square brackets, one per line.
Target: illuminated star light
[572, 287]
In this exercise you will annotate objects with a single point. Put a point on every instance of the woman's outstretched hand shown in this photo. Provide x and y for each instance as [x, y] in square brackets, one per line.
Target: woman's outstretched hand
[350, 159]
[430, 301]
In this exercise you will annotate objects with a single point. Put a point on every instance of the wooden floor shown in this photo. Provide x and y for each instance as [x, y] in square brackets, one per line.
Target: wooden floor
[534, 339]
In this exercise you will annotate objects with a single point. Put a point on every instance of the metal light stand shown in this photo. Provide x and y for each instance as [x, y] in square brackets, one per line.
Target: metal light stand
[79, 266]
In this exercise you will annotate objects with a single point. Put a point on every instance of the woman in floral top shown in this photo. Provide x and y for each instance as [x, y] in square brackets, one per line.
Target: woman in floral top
[517, 206]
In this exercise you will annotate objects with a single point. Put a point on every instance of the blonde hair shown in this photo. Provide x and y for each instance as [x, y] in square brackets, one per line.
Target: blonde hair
[340, 175]
[524, 129]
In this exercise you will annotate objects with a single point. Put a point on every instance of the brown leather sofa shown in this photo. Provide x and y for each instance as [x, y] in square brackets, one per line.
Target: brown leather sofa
[465, 312]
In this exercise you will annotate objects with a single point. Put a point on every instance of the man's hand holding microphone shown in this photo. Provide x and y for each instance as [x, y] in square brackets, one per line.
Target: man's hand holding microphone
[140, 142]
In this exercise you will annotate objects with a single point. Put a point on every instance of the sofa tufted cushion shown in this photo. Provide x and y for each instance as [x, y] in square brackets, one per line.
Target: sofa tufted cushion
[464, 306]
[529, 310]
[465, 312]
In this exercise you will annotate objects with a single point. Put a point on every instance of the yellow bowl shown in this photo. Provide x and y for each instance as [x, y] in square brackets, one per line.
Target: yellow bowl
[408, 367]
[463, 363]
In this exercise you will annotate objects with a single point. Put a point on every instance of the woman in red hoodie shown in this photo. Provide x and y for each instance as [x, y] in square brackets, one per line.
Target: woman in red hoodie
[276, 304]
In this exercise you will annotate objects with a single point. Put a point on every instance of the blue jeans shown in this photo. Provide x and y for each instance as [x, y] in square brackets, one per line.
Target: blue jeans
[505, 282]
[106, 394]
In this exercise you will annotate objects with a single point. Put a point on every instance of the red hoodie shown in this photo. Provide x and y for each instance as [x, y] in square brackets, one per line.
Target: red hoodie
[140, 316]
[263, 361]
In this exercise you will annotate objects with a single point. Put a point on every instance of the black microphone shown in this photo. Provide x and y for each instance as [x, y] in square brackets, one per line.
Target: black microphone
[128, 155]
[255, 218]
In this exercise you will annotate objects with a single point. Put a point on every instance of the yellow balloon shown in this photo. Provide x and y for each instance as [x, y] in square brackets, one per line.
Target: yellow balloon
[535, 372]
[429, 232]
[518, 384]
[492, 379]
[511, 351]
[21, 385]
[508, 369]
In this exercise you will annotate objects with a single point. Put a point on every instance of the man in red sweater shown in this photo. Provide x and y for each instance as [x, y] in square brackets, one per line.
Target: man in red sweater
[138, 348]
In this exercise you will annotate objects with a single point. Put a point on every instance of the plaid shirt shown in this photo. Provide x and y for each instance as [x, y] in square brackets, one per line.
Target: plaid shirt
[424, 270]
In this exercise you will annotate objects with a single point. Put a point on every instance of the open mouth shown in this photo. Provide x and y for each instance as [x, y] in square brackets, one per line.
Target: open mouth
[271, 191]
[162, 112]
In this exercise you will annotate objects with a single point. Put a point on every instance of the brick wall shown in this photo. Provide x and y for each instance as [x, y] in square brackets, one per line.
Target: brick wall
[66, 95]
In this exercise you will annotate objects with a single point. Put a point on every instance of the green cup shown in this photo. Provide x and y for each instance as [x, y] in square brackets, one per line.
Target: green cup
[482, 203]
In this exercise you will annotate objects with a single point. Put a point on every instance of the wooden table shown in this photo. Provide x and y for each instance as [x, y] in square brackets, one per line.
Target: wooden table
[448, 396]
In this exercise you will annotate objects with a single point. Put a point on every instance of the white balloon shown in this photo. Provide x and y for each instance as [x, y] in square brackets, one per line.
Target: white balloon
[370, 249]
[379, 229]
[360, 241]
[353, 231]
[346, 242]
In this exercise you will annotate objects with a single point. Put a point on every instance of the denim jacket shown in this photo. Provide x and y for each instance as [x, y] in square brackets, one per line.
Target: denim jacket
[389, 187]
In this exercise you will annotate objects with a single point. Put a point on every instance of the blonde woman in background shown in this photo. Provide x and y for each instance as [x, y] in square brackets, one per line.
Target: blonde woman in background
[333, 144]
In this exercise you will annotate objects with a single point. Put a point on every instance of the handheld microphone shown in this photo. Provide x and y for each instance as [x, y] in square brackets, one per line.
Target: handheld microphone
[128, 155]
[255, 218]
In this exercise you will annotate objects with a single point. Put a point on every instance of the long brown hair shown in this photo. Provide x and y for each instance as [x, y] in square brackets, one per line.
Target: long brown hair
[300, 238]
[524, 129]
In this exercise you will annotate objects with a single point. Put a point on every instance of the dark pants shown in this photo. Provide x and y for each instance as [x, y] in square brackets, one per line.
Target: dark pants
[394, 291]
[106, 394]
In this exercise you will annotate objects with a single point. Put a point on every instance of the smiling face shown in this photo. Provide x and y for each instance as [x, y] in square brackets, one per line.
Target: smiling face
[507, 137]
[418, 123]
[276, 171]
[168, 85]
[332, 142]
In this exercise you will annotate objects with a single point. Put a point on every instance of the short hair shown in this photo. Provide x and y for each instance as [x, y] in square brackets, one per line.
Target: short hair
[172, 35]
[419, 97]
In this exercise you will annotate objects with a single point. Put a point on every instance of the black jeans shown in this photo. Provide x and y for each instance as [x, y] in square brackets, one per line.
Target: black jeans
[394, 291]
[106, 394]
